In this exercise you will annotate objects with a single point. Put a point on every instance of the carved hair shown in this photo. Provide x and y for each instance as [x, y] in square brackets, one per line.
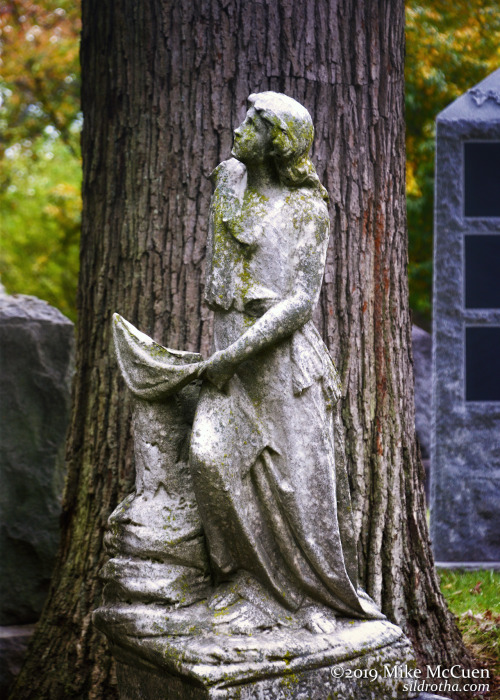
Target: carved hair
[292, 134]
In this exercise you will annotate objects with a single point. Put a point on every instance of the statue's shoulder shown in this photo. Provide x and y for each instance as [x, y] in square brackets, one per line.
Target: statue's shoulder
[309, 206]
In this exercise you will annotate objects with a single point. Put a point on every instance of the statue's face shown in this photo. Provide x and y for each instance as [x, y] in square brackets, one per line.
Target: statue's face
[252, 139]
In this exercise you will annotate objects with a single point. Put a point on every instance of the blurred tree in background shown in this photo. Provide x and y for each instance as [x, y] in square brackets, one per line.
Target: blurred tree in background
[40, 172]
[451, 45]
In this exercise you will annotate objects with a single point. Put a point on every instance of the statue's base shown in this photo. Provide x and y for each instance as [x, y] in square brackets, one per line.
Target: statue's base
[362, 660]
[316, 684]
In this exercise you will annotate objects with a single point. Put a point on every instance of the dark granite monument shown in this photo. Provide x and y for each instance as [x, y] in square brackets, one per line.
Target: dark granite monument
[465, 461]
[36, 368]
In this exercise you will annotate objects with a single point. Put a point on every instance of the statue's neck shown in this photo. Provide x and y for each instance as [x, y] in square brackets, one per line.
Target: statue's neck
[262, 176]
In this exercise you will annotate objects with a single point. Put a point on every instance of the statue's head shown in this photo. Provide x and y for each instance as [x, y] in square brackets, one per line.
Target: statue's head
[291, 127]
[287, 131]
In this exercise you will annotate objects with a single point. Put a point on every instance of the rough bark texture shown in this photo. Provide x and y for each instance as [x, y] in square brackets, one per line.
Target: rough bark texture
[164, 84]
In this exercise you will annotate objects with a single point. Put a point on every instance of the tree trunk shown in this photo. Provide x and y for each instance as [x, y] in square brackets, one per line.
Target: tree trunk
[164, 84]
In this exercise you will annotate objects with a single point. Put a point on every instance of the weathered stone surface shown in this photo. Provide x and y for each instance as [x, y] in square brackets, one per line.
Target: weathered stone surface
[36, 355]
[422, 364]
[155, 535]
[296, 681]
[14, 642]
[234, 568]
[465, 489]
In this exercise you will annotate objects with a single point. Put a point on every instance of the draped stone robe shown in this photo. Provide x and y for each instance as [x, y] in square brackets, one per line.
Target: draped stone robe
[273, 501]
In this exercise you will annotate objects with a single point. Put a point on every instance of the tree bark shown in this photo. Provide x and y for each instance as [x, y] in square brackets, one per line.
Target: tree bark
[164, 84]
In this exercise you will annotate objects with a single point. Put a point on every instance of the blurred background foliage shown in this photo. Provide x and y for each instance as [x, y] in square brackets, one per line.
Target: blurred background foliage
[40, 171]
[451, 45]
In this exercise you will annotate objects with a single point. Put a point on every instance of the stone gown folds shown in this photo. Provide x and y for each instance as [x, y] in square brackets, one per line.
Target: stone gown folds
[273, 498]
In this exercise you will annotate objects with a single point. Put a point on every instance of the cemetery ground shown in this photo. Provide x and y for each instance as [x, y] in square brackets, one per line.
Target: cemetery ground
[473, 598]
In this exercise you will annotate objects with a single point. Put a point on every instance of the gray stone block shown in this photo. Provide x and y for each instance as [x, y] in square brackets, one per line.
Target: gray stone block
[36, 356]
[465, 447]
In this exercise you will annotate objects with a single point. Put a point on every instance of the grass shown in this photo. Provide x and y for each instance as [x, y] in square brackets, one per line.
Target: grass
[474, 597]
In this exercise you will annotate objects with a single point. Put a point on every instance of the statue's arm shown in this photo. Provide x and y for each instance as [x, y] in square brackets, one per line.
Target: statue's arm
[286, 316]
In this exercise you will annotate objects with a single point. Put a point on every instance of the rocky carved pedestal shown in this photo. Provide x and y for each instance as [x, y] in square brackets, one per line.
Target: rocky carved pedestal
[168, 639]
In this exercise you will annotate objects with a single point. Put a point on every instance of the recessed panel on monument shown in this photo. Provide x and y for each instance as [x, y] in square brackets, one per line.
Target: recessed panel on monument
[482, 178]
[482, 271]
[482, 364]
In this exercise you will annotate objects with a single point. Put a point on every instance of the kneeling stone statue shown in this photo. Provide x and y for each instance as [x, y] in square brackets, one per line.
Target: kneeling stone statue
[233, 570]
